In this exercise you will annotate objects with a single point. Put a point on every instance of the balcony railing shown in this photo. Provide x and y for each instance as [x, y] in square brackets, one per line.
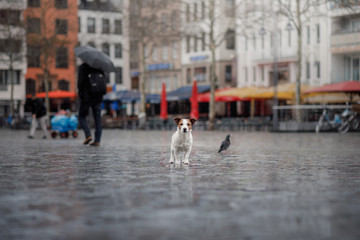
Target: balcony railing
[345, 4]
[344, 42]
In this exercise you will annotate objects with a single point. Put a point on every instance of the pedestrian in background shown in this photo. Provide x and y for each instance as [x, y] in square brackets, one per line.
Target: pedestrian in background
[38, 111]
[88, 99]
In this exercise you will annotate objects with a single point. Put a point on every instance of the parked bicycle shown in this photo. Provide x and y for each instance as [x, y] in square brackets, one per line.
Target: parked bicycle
[326, 124]
[350, 119]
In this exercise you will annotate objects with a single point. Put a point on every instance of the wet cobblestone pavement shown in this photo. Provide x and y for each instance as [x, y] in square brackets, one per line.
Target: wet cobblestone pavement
[266, 186]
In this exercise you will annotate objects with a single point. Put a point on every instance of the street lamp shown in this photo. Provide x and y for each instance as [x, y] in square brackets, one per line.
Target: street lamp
[262, 32]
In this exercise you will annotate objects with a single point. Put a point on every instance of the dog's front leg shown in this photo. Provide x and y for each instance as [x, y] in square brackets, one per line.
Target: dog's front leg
[172, 156]
[176, 156]
[186, 157]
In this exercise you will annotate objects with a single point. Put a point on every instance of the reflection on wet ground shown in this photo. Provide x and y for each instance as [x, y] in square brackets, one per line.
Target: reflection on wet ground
[266, 186]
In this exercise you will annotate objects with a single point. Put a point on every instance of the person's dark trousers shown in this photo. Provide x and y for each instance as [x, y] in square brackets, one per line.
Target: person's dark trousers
[96, 109]
[83, 112]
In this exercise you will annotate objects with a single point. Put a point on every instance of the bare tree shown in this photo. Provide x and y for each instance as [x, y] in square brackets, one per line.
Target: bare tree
[218, 25]
[146, 28]
[12, 41]
[298, 14]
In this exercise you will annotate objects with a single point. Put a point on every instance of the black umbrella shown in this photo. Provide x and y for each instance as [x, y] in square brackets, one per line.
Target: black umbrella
[95, 58]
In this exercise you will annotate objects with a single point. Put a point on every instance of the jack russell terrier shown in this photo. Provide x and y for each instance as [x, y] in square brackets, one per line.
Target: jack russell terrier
[182, 140]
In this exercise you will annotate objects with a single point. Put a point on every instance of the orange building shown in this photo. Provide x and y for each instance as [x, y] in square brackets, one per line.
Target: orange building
[52, 34]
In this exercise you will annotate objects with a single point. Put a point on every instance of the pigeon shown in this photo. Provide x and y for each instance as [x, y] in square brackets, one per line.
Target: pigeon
[225, 144]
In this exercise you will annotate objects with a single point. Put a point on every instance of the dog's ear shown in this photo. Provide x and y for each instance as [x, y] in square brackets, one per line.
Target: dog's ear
[192, 120]
[177, 120]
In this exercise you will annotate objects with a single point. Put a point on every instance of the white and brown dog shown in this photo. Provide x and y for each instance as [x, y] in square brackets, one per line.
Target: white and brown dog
[182, 140]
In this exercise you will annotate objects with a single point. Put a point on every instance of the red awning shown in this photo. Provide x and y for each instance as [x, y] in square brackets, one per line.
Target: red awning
[205, 97]
[348, 86]
[57, 94]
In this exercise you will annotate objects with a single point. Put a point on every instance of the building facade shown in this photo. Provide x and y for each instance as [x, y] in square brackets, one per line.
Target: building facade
[155, 45]
[274, 38]
[52, 28]
[101, 26]
[345, 42]
[12, 55]
[196, 58]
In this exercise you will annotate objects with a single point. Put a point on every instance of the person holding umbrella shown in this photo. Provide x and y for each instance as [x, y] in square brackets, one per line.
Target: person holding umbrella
[91, 84]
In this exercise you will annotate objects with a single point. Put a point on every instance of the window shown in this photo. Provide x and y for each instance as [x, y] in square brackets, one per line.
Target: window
[356, 69]
[228, 73]
[318, 74]
[307, 70]
[188, 75]
[106, 48]
[118, 75]
[91, 44]
[203, 7]
[187, 13]
[347, 68]
[5, 77]
[146, 51]
[105, 25]
[246, 44]
[165, 52]
[289, 38]
[175, 49]
[61, 26]
[118, 27]
[155, 53]
[279, 38]
[63, 85]
[61, 57]
[164, 22]
[230, 8]
[203, 41]
[118, 50]
[308, 34]
[61, 4]
[10, 45]
[262, 41]
[153, 80]
[187, 44]
[230, 4]
[42, 88]
[33, 3]
[10, 17]
[254, 74]
[262, 74]
[174, 20]
[355, 25]
[318, 33]
[254, 42]
[195, 12]
[33, 25]
[200, 74]
[246, 74]
[33, 56]
[175, 82]
[230, 39]
[195, 44]
[91, 25]
[30, 86]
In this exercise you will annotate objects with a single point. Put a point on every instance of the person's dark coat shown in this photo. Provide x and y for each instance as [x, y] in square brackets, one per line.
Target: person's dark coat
[38, 108]
[84, 85]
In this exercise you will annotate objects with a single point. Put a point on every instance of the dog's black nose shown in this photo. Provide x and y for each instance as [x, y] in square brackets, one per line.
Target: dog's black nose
[184, 130]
